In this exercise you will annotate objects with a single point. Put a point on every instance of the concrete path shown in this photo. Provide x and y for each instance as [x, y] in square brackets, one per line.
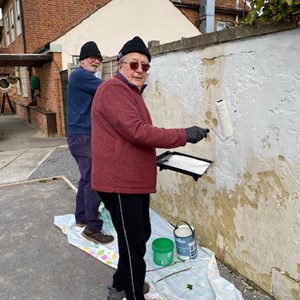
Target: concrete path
[22, 148]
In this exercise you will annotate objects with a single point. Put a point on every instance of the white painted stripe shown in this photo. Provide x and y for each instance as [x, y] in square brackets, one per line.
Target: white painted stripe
[127, 244]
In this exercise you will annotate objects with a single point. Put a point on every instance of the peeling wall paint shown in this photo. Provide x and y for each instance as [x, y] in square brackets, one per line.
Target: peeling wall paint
[246, 208]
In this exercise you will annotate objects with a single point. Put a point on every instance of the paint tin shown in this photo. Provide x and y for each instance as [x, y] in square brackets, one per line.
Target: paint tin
[162, 251]
[184, 236]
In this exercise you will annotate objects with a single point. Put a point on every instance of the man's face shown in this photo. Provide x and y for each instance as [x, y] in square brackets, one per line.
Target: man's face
[91, 64]
[134, 67]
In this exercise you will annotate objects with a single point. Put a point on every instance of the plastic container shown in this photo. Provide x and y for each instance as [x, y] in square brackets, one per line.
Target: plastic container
[163, 251]
[184, 236]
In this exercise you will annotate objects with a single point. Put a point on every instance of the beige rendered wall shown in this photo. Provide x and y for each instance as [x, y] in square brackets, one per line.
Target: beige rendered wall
[120, 20]
[246, 208]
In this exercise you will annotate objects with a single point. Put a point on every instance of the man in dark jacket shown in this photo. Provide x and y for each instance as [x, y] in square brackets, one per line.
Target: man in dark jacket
[81, 89]
[124, 143]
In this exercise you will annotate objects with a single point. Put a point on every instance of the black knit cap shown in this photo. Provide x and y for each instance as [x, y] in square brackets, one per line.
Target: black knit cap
[90, 49]
[134, 45]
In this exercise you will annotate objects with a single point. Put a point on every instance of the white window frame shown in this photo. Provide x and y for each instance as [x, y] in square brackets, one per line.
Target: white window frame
[18, 83]
[75, 59]
[18, 17]
[7, 31]
[23, 74]
[12, 23]
[222, 25]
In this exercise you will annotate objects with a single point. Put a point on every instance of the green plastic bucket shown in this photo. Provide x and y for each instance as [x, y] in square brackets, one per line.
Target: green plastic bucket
[162, 251]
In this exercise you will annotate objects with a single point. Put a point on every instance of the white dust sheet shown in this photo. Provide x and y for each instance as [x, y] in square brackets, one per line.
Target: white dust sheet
[166, 283]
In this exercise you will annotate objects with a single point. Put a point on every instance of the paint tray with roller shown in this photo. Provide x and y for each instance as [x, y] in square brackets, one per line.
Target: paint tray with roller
[183, 163]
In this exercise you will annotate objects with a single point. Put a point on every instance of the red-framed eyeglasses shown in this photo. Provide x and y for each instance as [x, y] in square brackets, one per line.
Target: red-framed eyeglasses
[134, 65]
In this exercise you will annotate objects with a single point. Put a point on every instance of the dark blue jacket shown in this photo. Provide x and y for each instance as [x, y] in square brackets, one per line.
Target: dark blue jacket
[81, 89]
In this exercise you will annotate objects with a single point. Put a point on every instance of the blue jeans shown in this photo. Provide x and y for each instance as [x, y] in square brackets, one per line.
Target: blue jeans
[87, 200]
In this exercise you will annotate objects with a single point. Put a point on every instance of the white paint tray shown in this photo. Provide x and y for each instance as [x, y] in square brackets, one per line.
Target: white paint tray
[183, 163]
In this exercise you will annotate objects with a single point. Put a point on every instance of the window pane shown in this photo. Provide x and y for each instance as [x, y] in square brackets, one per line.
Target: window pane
[18, 17]
[7, 31]
[12, 23]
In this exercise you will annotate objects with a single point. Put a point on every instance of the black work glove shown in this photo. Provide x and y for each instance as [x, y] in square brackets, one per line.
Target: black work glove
[195, 134]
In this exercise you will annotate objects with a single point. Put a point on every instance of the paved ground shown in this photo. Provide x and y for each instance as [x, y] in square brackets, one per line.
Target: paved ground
[35, 262]
[22, 148]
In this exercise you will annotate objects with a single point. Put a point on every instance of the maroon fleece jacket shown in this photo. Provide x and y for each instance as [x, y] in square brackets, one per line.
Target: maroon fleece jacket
[124, 140]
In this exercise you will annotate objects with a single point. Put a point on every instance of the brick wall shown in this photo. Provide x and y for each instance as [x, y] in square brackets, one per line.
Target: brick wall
[44, 120]
[48, 113]
[192, 15]
[11, 94]
[229, 3]
[51, 91]
[192, 10]
[38, 120]
[44, 23]
[22, 110]
[46, 20]
[229, 17]
[17, 46]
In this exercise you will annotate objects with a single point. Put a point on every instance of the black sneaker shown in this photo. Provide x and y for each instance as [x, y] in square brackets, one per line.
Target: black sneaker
[113, 294]
[99, 237]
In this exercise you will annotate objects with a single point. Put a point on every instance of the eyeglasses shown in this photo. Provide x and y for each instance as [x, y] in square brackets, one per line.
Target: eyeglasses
[94, 58]
[134, 65]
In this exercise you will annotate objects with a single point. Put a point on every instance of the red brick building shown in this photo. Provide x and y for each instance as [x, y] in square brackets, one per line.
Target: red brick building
[226, 12]
[36, 22]
[29, 26]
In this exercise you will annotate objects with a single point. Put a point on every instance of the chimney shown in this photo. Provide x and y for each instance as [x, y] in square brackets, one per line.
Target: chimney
[207, 16]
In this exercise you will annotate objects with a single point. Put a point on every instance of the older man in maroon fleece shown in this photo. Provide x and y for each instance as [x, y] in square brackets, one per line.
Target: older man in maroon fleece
[124, 162]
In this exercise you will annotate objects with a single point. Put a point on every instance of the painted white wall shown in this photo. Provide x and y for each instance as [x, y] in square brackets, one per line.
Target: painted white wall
[120, 20]
[246, 208]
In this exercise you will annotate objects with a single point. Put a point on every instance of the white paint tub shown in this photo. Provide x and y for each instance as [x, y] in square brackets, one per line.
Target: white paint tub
[184, 236]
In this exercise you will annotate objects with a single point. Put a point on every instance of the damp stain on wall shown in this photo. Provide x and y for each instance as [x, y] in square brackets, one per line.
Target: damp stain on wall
[209, 82]
[213, 213]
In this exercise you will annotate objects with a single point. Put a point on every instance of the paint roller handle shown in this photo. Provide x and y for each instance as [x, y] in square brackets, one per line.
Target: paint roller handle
[195, 134]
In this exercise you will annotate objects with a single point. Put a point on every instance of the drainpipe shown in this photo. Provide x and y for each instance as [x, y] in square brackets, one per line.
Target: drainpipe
[207, 16]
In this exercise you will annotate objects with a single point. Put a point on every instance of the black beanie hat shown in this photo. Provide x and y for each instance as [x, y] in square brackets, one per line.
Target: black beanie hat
[89, 49]
[134, 45]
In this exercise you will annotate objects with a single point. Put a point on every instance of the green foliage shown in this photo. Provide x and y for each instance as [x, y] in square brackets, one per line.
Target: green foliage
[273, 11]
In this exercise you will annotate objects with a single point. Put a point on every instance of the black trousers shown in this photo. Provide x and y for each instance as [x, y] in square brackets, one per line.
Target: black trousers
[130, 216]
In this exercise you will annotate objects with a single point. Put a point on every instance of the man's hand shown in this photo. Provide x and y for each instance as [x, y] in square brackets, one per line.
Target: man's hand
[195, 134]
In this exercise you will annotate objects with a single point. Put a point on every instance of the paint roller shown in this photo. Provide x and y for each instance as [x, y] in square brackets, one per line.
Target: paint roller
[224, 121]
